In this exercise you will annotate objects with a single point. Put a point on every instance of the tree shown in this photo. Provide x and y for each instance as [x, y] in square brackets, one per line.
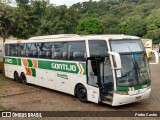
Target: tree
[110, 24]
[58, 20]
[153, 34]
[90, 26]
[133, 26]
[10, 18]
[34, 12]
[22, 3]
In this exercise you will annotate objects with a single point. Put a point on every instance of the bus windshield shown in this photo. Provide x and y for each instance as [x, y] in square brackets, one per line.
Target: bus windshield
[135, 68]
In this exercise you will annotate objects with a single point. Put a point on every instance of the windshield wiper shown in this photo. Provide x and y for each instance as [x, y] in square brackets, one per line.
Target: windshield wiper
[139, 70]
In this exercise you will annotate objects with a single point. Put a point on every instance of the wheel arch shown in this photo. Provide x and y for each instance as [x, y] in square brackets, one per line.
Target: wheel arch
[75, 94]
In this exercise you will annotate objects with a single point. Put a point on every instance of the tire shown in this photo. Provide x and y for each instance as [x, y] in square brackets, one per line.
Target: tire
[23, 79]
[81, 93]
[16, 77]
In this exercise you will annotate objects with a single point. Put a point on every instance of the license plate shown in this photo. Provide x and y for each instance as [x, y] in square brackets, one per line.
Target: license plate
[138, 98]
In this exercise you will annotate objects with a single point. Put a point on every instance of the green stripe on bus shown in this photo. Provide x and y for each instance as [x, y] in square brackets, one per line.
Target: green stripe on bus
[19, 61]
[58, 66]
[30, 64]
[12, 61]
[84, 68]
[33, 72]
[50, 65]
[120, 88]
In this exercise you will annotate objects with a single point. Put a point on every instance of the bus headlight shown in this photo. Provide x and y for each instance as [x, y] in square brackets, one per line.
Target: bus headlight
[121, 92]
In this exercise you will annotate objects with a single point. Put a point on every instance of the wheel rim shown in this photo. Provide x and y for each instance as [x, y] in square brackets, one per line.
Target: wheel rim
[82, 93]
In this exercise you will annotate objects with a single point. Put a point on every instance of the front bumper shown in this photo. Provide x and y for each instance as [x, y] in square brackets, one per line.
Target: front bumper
[126, 99]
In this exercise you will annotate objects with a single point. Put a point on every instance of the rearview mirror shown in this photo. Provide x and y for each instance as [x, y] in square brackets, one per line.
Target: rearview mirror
[156, 57]
[117, 59]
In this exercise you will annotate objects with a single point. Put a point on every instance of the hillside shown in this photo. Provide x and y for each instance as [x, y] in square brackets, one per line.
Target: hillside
[133, 17]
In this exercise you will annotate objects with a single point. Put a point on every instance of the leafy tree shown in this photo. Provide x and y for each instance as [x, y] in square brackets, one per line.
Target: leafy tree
[58, 20]
[35, 12]
[10, 18]
[153, 34]
[22, 3]
[133, 26]
[110, 24]
[90, 26]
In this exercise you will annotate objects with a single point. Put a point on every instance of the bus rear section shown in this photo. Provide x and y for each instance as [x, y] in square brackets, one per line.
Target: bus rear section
[1, 56]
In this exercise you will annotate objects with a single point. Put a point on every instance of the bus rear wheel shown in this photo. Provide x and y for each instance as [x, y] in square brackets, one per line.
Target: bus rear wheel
[81, 93]
[16, 77]
[23, 79]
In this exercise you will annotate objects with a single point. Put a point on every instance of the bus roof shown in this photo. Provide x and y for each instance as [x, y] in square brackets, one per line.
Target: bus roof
[72, 37]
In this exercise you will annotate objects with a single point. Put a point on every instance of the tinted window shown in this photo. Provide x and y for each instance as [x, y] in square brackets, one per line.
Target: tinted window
[98, 48]
[23, 49]
[77, 50]
[32, 50]
[59, 50]
[44, 50]
[127, 46]
[7, 50]
[14, 49]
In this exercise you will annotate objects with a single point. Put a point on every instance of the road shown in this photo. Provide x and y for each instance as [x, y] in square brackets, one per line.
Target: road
[15, 96]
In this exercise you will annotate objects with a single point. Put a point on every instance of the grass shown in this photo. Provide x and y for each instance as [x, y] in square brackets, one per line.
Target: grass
[2, 108]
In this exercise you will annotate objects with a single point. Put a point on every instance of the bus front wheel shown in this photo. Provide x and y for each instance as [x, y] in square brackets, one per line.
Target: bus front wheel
[81, 93]
[23, 78]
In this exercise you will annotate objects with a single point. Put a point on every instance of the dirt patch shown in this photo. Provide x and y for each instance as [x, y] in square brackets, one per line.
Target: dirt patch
[9, 87]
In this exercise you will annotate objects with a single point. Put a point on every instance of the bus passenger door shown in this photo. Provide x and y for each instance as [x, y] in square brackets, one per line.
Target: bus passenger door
[92, 81]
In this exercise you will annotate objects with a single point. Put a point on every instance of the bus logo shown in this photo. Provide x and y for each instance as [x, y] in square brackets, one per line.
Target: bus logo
[8, 61]
[62, 76]
[63, 67]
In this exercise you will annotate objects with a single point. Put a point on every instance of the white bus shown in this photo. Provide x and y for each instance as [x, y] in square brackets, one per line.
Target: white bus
[1, 56]
[111, 69]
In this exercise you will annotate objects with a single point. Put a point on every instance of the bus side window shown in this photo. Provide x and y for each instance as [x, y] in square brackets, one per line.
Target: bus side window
[44, 50]
[14, 49]
[65, 55]
[32, 50]
[77, 50]
[23, 50]
[98, 48]
[59, 50]
[7, 50]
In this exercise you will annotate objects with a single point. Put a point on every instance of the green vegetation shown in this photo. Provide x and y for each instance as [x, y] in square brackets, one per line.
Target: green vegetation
[2, 108]
[90, 26]
[133, 17]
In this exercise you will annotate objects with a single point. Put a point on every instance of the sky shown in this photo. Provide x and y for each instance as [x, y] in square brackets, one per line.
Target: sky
[67, 2]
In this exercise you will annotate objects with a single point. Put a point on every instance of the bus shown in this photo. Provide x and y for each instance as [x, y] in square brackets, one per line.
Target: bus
[112, 69]
[148, 44]
[1, 56]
